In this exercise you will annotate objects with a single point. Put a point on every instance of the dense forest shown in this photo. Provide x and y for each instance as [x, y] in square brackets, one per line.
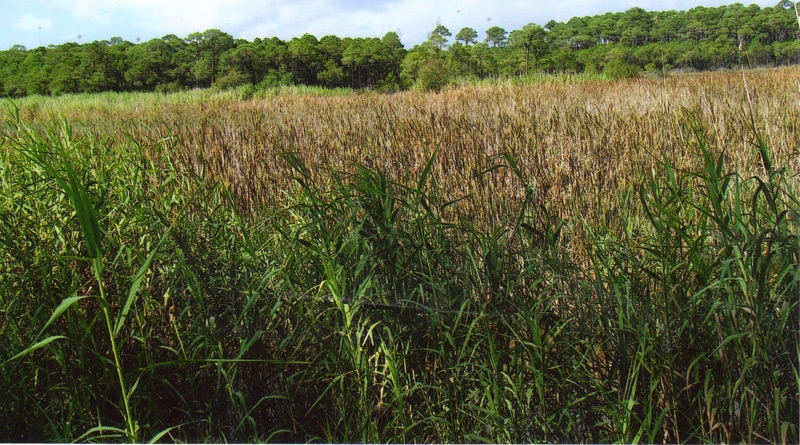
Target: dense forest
[621, 44]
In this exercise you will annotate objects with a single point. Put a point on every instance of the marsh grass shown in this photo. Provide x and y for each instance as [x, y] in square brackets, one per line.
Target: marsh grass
[554, 262]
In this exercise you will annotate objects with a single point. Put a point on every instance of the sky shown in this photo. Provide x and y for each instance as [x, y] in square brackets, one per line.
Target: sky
[35, 23]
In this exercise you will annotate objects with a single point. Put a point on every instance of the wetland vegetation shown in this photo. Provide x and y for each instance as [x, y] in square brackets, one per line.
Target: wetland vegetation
[543, 259]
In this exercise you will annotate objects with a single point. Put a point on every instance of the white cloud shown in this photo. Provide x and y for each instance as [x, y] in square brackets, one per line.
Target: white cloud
[29, 22]
[89, 10]
[183, 16]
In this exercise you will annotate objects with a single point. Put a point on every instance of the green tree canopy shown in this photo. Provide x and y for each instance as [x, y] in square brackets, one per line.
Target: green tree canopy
[438, 37]
[207, 47]
[619, 44]
[496, 36]
[467, 36]
[531, 38]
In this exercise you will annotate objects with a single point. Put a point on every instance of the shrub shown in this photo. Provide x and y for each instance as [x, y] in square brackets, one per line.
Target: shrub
[619, 66]
[231, 80]
[434, 75]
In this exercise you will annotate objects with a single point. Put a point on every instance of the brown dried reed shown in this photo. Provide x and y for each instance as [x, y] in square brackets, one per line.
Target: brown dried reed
[580, 146]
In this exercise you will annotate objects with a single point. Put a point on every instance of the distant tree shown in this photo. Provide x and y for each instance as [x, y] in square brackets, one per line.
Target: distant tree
[395, 53]
[208, 47]
[331, 73]
[531, 38]
[150, 64]
[275, 53]
[438, 37]
[496, 36]
[362, 58]
[182, 61]
[14, 70]
[467, 36]
[459, 56]
[393, 44]
[620, 44]
[666, 26]
[434, 75]
[246, 60]
[305, 59]
[618, 64]
[64, 63]
[412, 63]
[482, 61]
[787, 52]
[103, 65]
[563, 60]
[634, 27]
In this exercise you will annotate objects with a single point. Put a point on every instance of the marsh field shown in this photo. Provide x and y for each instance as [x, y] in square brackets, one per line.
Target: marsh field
[540, 260]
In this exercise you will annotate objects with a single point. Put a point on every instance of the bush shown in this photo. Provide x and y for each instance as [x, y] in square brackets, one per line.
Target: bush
[619, 66]
[277, 78]
[171, 87]
[434, 75]
[231, 80]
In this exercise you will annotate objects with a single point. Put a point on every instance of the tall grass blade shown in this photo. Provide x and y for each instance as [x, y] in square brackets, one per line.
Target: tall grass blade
[136, 284]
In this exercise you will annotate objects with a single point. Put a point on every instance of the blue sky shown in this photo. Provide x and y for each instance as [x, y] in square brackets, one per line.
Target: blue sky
[34, 23]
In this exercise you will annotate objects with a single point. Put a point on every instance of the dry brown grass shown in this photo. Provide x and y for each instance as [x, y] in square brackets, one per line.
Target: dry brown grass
[580, 146]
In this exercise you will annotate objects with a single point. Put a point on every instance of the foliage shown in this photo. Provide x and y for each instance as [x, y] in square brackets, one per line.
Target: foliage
[438, 37]
[621, 44]
[433, 75]
[531, 38]
[231, 80]
[559, 260]
[619, 66]
[467, 36]
[496, 36]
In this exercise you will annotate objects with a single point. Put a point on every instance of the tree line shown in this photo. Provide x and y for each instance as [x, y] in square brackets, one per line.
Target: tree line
[620, 44]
